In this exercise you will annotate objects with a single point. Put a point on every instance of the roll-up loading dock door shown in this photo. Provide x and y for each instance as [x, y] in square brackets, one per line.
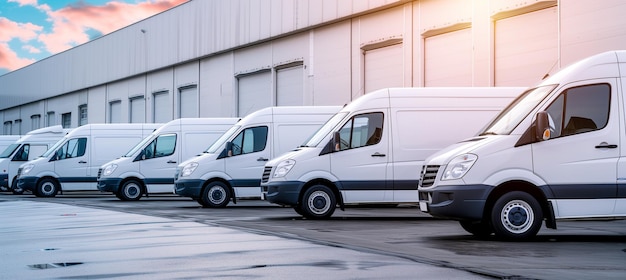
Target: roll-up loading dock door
[384, 68]
[525, 47]
[448, 59]
[188, 106]
[254, 92]
[290, 86]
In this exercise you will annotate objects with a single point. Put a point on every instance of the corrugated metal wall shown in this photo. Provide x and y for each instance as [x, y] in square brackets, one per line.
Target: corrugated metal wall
[214, 45]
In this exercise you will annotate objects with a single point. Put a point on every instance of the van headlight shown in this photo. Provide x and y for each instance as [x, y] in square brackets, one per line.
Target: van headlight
[108, 170]
[283, 167]
[458, 166]
[188, 169]
[27, 168]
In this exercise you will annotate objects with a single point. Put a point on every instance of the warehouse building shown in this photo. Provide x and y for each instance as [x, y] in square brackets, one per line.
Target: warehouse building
[216, 58]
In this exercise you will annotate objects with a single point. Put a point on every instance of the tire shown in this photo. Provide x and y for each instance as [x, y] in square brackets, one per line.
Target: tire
[47, 187]
[298, 210]
[14, 188]
[131, 190]
[516, 216]
[478, 229]
[318, 202]
[215, 195]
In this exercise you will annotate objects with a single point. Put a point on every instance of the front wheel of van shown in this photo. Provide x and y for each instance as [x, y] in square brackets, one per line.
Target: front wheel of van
[215, 195]
[517, 216]
[318, 202]
[131, 190]
[47, 187]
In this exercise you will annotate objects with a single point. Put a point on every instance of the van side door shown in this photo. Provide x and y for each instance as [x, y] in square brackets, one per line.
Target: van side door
[361, 161]
[579, 161]
[250, 152]
[71, 162]
[158, 163]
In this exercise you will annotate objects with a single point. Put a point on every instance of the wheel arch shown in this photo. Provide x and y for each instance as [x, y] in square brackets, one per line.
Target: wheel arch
[523, 186]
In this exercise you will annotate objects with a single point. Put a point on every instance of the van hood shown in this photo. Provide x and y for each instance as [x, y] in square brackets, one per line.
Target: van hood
[199, 158]
[119, 161]
[293, 154]
[472, 145]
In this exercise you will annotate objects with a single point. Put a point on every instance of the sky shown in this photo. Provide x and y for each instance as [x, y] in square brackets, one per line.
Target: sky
[31, 30]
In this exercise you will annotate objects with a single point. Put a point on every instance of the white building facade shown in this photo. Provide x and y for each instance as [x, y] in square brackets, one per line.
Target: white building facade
[218, 58]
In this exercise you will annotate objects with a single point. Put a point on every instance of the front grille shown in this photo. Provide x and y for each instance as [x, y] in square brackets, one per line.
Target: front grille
[266, 174]
[99, 173]
[429, 173]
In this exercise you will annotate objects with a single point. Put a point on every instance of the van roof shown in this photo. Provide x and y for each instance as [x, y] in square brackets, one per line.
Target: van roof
[293, 110]
[114, 126]
[49, 129]
[609, 64]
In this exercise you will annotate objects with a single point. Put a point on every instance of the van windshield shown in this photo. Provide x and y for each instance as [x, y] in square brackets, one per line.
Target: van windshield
[220, 141]
[54, 147]
[9, 150]
[517, 111]
[324, 130]
[139, 146]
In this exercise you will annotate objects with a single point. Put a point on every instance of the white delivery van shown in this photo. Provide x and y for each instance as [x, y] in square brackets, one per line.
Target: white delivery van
[28, 147]
[231, 168]
[557, 152]
[149, 167]
[370, 152]
[7, 140]
[73, 162]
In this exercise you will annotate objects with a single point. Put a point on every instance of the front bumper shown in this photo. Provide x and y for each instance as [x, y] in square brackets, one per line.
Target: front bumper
[457, 202]
[282, 192]
[188, 187]
[109, 184]
[27, 183]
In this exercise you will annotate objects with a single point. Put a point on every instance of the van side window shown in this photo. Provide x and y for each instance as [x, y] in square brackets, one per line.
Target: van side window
[162, 146]
[22, 153]
[361, 130]
[580, 109]
[72, 148]
[250, 140]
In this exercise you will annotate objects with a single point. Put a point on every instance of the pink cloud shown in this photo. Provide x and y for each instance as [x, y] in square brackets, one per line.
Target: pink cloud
[69, 25]
[21, 31]
[24, 32]
[9, 59]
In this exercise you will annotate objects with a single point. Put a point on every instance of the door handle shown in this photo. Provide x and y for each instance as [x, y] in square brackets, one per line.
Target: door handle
[377, 154]
[82, 161]
[604, 145]
[262, 159]
[171, 161]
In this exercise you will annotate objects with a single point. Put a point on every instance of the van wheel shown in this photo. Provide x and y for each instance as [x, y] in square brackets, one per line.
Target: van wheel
[215, 195]
[478, 229]
[47, 187]
[14, 188]
[516, 215]
[318, 202]
[132, 190]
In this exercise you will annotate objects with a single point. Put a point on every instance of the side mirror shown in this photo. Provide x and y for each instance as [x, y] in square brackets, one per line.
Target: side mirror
[542, 129]
[229, 149]
[336, 141]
